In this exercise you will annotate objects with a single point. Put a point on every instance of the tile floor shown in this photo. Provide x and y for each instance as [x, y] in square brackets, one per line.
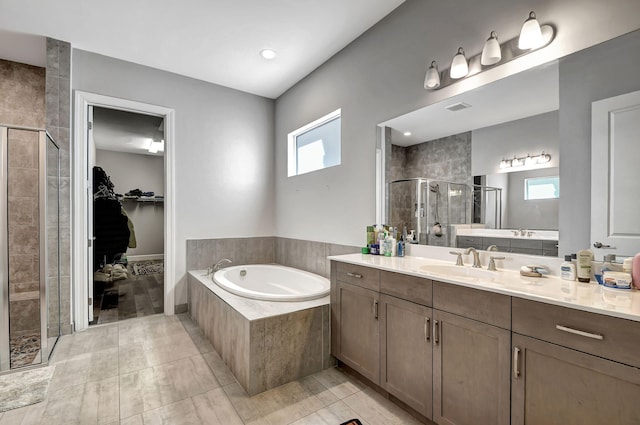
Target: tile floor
[161, 370]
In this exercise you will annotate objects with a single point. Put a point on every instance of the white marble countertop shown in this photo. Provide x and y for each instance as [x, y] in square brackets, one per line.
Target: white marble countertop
[256, 309]
[590, 297]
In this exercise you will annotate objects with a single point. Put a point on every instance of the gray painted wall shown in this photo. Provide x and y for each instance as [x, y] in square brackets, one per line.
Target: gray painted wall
[380, 76]
[538, 214]
[530, 135]
[223, 150]
[145, 172]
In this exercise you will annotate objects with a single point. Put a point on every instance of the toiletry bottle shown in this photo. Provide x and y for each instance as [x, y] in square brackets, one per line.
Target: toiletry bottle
[567, 269]
[606, 266]
[370, 236]
[401, 247]
[635, 271]
[584, 257]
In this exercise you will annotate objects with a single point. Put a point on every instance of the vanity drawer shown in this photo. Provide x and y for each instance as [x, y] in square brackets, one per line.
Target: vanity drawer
[411, 288]
[484, 306]
[526, 244]
[469, 241]
[605, 336]
[503, 244]
[365, 277]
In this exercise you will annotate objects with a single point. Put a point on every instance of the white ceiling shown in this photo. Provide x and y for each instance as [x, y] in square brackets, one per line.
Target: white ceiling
[122, 131]
[212, 40]
[519, 96]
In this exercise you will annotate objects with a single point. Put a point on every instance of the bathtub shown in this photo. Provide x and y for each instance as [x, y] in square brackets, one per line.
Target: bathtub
[271, 282]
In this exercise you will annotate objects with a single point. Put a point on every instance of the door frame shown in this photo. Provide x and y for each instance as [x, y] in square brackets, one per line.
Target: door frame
[80, 260]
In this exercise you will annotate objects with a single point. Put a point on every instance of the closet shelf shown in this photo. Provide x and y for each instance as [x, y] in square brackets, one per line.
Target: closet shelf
[143, 199]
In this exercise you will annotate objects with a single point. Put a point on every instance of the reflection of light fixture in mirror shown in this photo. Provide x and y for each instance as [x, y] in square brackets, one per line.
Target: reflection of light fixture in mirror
[517, 162]
[407, 133]
[525, 161]
[491, 52]
[432, 79]
[530, 34]
[459, 65]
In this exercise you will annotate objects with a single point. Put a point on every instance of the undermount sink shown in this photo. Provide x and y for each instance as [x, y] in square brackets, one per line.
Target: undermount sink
[460, 271]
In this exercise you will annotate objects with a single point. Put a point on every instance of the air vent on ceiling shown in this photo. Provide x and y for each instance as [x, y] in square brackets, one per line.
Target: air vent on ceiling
[457, 106]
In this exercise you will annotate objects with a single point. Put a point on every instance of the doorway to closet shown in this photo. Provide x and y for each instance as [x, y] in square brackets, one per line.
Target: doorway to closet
[126, 215]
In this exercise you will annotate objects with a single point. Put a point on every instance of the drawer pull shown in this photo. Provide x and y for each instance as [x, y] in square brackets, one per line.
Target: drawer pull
[516, 362]
[436, 326]
[581, 333]
[427, 329]
[356, 275]
[375, 309]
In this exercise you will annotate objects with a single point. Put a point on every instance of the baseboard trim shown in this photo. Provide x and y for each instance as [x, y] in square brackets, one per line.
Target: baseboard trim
[145, 257]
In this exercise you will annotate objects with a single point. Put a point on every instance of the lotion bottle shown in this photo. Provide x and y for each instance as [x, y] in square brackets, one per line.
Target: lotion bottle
[567, 269]
[585, 257]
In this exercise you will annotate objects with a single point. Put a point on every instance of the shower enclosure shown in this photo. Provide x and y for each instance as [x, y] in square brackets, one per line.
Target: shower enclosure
[29, 247]
[429, 207]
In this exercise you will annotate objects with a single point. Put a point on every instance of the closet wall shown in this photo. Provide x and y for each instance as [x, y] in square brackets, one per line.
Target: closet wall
[145, 172]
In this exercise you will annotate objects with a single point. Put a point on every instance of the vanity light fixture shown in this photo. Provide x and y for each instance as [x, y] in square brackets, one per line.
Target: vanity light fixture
[532, 37]
[505, 163]
[459, 65]
[491, 52]
[432, 79]
[530, 34]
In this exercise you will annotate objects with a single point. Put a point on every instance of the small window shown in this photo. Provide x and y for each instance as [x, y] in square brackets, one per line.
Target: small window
[542, 188]
[315, 146]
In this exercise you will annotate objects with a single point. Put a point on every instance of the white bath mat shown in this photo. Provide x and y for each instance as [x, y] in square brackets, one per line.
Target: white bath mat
[147, 267]
[19, 389]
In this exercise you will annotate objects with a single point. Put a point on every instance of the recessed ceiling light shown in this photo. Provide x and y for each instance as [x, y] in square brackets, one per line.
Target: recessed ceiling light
[407, 133]
[268, 53]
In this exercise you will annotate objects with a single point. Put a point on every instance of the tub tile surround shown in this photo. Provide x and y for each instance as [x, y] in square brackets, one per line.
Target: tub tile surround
[301, 254]
[90, 385]
[265, 344]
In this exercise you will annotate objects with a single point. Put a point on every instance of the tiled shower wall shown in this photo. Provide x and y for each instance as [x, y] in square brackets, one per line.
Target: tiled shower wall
[22, 103]
[301, 254]
[445, 159]
[58, 124]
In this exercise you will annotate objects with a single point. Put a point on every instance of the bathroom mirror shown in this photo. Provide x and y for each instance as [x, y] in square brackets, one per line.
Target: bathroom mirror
[477, 137]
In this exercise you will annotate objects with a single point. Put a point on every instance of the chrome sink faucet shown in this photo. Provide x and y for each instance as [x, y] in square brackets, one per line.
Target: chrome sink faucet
[476, 257]
[218, 265]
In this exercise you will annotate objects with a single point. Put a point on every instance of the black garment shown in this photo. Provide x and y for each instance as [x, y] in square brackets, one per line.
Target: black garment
[111, 230]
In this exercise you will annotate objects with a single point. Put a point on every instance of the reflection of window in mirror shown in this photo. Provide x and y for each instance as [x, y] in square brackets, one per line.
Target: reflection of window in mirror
[542, 188]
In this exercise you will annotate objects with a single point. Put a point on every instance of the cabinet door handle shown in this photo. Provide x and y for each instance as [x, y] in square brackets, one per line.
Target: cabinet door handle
[427, 329]
[375, 309]
[578, 332]
[436, 326]
[356, 275]
[516, 361]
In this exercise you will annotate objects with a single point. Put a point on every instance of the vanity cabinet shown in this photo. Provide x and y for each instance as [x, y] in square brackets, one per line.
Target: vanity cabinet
[356, 329]
[405, 340]
[573, 367]
[471, 356]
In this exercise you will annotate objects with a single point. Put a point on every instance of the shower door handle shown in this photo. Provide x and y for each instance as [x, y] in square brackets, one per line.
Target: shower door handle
[90, 241]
